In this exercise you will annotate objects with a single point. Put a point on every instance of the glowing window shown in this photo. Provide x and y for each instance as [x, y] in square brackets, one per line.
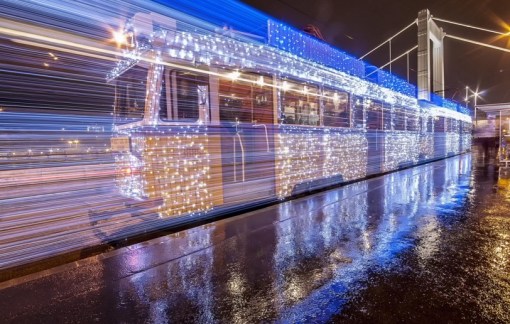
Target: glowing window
[336, 108]
[130, 95]
[188, 94]
[246, 97]
[300, 103]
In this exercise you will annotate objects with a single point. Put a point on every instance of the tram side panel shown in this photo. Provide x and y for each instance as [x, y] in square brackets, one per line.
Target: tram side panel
[426, 146]
[346, 155]
[298, 159]
[402, 149]
[465, 137]
[453, 137]
[376, 151]
[178, 168]
[310, 159]
[452, 143]
[439, 137]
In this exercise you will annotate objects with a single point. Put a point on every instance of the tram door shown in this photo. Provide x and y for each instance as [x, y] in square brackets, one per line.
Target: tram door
[375, 136]
[246, 116]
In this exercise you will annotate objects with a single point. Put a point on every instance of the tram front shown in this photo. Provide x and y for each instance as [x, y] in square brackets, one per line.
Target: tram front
[164, 151]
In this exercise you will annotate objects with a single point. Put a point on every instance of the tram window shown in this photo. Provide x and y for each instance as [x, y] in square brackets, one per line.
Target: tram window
[300, 104]
[374, 114]
[468, 128]
[452, 125]
[189, 94]
[439, 124]
[412, 121]
[386, 109]
[465, 127]
[130, 95]
[430, 123]
[422, 124]
[399, 119]
[246, 98]
[357, 113]
[336, 108]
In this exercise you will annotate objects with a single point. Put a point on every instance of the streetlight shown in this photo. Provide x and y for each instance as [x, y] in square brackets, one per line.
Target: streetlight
[476, 97]
[467, 100]
[475, 94]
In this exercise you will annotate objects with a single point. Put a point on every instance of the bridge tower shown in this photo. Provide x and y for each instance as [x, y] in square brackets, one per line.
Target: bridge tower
[430, 54]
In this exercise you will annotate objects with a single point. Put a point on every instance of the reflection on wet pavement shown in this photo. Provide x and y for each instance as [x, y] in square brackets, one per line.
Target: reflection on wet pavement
[423, 244]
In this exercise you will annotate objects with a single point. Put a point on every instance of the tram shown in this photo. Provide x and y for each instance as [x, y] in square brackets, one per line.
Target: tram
[207, 117]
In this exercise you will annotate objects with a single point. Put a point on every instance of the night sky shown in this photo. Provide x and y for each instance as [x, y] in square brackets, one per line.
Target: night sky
[359, 26]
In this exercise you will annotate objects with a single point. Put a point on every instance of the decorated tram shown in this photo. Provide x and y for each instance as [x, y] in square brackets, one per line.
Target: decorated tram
[206, 116]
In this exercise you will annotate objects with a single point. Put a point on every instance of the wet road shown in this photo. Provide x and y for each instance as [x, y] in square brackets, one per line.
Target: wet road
[431, 243]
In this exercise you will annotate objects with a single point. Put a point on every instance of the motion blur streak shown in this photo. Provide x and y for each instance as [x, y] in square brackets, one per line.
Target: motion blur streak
[123, 118]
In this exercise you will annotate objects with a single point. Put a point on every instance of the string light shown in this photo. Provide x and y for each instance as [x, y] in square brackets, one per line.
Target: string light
[302, 156]
[182, 164]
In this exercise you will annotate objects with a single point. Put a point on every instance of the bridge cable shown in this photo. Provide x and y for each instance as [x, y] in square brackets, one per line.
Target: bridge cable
[395, 59]
[470, 26]
[389, 39]
[478, 43]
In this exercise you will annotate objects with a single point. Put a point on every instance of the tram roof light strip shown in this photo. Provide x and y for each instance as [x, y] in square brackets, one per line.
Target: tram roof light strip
[295, 42]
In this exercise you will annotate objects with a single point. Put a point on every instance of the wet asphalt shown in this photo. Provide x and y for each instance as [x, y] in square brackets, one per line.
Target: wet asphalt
[426, 244]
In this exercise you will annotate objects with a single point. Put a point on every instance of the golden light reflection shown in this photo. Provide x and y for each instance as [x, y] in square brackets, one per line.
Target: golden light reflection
[506, 27]
[119, 37]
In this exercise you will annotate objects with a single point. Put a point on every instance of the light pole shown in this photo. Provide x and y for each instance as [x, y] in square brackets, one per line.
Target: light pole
[467, 89]
[475, 94]
[476, 97]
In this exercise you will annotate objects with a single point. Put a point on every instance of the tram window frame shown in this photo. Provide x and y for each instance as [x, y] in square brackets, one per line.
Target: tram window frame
[399, 119]
[412, 121]
[453, 125]
[170, 91]
[358, 111]
[466, 127]
[338, 116]
[300, 113]
[122, 97]
[387, 111]
[422, 123]
[374, 114]
[430, 124]
[439, 124]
